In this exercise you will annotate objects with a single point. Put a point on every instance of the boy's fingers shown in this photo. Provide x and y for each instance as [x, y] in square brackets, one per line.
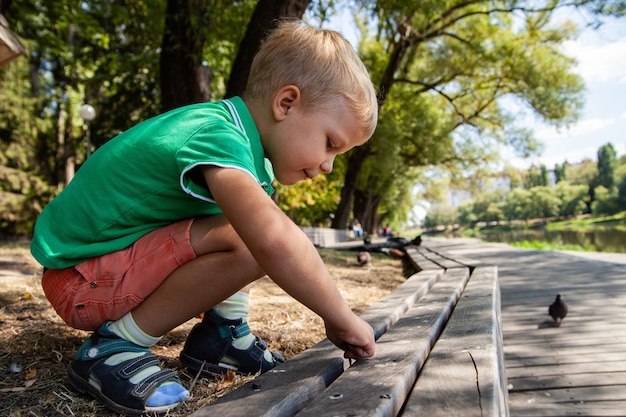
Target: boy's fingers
[357, 352]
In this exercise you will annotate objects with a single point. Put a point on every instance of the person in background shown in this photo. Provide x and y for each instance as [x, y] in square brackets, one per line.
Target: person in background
[357, 229]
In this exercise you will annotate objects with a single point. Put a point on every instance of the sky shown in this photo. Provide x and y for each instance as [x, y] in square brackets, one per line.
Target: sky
[601, 56]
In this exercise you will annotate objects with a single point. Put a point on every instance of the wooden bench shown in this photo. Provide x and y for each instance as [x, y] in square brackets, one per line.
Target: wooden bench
[324, 237]
[439, 352]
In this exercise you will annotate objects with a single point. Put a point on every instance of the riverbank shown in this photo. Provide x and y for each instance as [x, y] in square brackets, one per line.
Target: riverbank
[584, 233]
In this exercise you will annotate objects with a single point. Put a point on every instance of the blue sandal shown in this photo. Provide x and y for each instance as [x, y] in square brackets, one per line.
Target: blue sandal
[209, 348]
[88, 373]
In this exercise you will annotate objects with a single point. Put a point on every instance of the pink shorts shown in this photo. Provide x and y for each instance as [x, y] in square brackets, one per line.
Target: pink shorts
[109, 286]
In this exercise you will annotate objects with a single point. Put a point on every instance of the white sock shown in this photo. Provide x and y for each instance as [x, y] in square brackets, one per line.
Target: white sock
[127, 329]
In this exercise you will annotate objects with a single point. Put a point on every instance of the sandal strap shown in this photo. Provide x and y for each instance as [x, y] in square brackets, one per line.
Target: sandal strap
[234, 331]
[227, 328]
[104, 343]
[90, 351]
[145, 388]
[130, 367]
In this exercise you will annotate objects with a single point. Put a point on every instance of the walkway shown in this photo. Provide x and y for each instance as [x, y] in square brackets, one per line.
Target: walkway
[576, 369]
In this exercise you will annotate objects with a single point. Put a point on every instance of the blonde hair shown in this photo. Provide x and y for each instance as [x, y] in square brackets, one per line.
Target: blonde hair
[321, 63]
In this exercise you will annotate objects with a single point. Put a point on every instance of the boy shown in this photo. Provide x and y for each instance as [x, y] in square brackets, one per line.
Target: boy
[173, 216]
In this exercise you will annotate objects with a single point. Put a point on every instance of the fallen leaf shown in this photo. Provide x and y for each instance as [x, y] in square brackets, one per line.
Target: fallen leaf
[227, 379]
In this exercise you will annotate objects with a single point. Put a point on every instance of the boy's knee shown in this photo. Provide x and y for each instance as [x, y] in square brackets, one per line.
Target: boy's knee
[214, 234]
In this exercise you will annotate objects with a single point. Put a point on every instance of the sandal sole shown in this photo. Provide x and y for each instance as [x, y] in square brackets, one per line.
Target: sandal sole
[207, 368]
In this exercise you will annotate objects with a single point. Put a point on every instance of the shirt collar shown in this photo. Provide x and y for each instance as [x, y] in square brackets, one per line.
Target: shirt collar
[244, 121]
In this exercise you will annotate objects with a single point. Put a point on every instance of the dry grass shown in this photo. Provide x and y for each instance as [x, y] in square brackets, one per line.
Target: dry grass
[36, 346]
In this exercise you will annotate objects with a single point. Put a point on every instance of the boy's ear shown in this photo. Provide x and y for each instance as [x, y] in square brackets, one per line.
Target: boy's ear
[284, 100]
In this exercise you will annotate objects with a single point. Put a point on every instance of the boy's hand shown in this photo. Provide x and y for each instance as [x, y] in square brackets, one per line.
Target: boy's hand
[356, 338]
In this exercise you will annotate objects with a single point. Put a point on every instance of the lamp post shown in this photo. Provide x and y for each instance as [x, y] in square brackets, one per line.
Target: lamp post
[87, 113]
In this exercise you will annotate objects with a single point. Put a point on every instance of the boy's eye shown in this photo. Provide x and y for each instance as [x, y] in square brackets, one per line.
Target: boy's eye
[329, 145]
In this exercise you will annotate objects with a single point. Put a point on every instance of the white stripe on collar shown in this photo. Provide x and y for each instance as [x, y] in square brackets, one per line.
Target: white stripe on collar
[235, 115]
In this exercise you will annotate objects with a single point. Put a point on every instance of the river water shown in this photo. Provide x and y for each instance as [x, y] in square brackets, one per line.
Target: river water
[598, 240]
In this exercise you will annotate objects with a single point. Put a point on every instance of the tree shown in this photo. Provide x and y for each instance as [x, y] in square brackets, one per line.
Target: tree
[517, 205]
[560, 172]
[469, 56]
[537, 176]
[184, 79]
[621, 194]
[544, 203]
[572, 198]
[265, 17]
[607, 163]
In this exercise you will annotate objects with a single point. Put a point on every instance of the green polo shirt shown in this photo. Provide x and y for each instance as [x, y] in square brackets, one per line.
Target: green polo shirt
[146, 178]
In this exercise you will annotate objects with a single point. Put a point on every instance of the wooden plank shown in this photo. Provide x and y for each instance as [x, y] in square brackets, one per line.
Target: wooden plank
[514, 373]
[550, 382]
[441, 260]
[386, 312]
[597, 300]
[456, 260]
[287, 388]
[594, 409]
[464, 374]
[420, 262]
[551, 360]
[586, 401]
[559, 341]
[379, 386]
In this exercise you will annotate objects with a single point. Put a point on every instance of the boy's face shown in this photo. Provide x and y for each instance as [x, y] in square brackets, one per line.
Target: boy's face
[304, 144]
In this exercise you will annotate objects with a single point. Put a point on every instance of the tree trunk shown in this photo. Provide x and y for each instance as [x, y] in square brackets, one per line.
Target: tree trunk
[184, 80]
[360, 154]
[366, 209]
[355, 161]
[264, 19]
[4, 6]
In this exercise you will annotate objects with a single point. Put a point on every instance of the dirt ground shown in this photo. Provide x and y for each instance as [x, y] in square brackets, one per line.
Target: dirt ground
[36, 346]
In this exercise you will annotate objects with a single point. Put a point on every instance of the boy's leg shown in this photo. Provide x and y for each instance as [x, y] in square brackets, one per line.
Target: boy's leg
[223, 341]
[117, 355]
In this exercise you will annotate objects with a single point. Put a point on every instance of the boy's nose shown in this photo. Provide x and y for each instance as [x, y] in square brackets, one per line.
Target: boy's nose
[326, 167]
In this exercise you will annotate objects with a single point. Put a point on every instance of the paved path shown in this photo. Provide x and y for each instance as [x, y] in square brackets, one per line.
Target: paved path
[576, 369]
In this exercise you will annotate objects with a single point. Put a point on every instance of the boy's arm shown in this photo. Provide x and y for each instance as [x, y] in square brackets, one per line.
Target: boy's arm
[285, 253]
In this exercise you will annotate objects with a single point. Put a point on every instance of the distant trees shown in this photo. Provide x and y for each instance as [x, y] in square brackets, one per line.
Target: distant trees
[588, 190]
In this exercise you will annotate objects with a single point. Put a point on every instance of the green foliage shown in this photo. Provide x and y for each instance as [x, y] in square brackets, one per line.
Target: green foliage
[571, 197]
[606, 202]
[544, 202]
[537, 176]
[448, 70]
[566, 199]
[535, 244]
[516, 205]
[312, 202]
[22, 197]
[607, 163]
[440, 216]
[448, 73]
[560, 172]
